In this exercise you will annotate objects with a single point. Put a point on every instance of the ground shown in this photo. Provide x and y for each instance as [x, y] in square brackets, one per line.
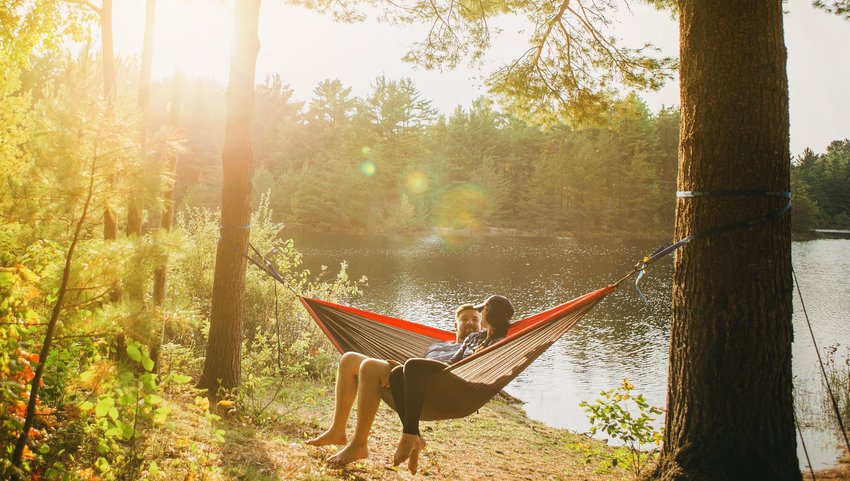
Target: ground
[258, 440]
[499, 442]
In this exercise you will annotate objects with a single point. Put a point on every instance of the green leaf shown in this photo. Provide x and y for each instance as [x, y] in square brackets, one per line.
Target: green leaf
[153, 468]
[104, 404]
[134, 353]
[127, 430]
[113, 413]
[148, 380]
[179, 378]
[153, 399]
[147, 363]
[161, 414]
[86, 406]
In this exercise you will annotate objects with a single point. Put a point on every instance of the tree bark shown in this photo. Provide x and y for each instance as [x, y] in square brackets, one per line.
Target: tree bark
[167, 216]
[730, 412]
[222, 364]
[134, 204]
[110, 222]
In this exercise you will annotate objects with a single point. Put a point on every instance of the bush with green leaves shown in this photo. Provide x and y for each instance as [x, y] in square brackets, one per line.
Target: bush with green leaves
[117, 409]
[279, 344]
[191, 279]
[626, 416]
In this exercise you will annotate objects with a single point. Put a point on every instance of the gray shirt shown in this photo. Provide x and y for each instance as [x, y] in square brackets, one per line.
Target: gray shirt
[442, 351]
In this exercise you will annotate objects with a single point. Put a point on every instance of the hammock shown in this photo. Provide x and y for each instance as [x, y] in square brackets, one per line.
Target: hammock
[464, 387]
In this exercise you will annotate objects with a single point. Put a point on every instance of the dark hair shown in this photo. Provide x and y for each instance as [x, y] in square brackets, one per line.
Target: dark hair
[499, 312]
[499, 325]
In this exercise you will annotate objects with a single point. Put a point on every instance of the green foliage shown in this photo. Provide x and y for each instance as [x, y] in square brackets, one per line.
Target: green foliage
[378, 164]
[820, 188]
[19, 323]
[836, 7]
[627, 417]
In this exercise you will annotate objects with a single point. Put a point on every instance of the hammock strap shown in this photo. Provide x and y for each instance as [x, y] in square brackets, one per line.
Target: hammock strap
[721, 229]
[261, 262]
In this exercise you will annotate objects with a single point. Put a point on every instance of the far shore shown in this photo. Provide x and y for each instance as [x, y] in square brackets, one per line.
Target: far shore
[602, 235]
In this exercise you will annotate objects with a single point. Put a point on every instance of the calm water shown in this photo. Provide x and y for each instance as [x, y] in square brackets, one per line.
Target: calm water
[423, 278]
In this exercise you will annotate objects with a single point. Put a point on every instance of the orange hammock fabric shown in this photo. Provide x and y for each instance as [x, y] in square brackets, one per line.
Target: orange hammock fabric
[464, 387]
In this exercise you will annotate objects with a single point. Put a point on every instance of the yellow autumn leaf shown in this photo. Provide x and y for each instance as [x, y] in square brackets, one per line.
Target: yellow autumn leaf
[225, 403]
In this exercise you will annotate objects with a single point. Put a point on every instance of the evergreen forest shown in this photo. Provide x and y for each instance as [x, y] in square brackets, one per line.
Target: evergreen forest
[390, 163]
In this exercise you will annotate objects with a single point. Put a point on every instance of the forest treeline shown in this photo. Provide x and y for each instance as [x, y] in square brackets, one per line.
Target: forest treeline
[820, 188]
[388, 162]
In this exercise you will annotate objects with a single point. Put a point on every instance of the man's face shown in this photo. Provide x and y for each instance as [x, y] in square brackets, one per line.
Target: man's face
[467, 322]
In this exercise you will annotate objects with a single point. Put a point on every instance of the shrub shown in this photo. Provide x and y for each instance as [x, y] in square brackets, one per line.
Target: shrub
[628, 417]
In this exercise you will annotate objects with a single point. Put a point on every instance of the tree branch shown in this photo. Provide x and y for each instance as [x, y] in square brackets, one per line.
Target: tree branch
[87, 3]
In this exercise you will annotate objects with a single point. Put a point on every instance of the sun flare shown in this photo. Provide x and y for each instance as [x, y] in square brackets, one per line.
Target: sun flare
[194, 35]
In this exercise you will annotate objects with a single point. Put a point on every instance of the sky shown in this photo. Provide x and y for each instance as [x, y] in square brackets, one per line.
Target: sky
[305, 47]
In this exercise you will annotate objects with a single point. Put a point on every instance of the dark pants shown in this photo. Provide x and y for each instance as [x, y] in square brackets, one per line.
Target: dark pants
[408, 383]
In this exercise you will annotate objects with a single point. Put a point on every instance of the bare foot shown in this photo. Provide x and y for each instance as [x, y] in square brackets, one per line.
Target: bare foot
[408, 449]
[349, 454]
[329, 437]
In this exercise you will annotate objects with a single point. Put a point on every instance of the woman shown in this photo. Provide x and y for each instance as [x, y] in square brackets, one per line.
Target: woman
[409, 381]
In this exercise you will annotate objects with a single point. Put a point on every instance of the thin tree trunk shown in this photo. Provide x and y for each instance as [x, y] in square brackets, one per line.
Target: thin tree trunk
[134, 206]
[110, 222]
[167, 217]
[222, 364]
[29, 419]
[730, 412]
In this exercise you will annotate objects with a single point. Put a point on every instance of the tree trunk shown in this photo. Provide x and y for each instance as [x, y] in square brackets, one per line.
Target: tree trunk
[134, 204]
[167, 217]
[730, 412]
[222, 364]
[110, 222]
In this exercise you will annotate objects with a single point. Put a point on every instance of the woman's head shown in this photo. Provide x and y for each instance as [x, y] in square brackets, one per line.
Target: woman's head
[496, 313]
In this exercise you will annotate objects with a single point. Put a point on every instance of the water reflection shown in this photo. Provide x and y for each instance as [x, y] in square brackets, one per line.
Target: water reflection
[423, 278]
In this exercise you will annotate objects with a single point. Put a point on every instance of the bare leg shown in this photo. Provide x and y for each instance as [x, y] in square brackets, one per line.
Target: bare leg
[374, 374]
[346, 390]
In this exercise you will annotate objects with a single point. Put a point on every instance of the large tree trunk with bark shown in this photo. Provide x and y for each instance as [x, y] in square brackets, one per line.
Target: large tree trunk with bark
[730, 412]
[222, 364]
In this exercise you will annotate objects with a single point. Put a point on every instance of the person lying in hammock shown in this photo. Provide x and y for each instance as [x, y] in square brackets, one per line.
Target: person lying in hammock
[408, 382]
[362, 377]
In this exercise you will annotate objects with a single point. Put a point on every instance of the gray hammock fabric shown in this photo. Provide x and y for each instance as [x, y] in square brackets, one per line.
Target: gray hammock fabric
[464, 387]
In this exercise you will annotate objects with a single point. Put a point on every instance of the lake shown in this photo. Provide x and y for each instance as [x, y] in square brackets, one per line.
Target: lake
[424, 278]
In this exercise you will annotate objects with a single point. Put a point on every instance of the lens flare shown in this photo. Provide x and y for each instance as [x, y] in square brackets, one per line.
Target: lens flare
[365, 150]
[462, 206]
[368, 168]
[416, 182]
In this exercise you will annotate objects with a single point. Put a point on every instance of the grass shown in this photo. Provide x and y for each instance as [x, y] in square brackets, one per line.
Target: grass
[498, 442]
